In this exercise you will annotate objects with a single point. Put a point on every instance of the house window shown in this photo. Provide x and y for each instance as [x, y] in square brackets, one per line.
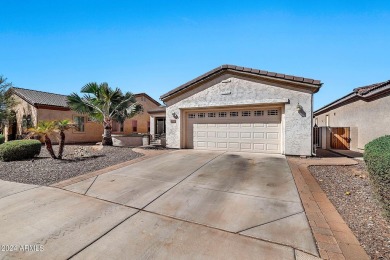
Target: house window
[191, 115]
[327, 120]
[148, 126]
[212, 114]
[273, 112]
[117, 126]
[259, 113]
[222, 114]
[246, 113]
[201, 115]
[233, 114]
[134, 124]
[79, 122]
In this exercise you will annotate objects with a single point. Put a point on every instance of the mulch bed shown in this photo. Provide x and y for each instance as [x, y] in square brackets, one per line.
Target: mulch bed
[78, 159]
[360, 209]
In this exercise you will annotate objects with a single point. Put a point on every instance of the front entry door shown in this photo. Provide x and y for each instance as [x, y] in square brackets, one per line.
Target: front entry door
[160, 126]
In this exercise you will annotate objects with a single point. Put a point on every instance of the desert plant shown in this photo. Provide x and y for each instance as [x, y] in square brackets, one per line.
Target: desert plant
[61, 127]
[7, 102]
[104, 104]
[2, 138]
[377, 158]
[45, 129]
[19, 150]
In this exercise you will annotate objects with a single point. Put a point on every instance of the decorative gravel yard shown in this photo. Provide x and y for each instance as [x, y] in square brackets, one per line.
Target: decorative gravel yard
[78, 159]
[349, 189]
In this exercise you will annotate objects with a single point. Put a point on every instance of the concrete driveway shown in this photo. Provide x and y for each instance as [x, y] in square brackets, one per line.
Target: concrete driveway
[181, 204]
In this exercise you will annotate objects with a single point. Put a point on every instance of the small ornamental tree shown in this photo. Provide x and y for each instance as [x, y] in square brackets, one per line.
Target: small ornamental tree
[104, 104]
[44, 129]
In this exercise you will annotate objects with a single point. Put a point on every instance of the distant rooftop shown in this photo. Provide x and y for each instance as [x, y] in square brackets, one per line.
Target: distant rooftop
[366, 93]
[41, 98]
[37, 98]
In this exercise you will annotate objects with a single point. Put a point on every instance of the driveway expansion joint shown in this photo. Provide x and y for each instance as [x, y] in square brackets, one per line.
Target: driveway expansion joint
[183, 179]
[85, 193]
[265, 223]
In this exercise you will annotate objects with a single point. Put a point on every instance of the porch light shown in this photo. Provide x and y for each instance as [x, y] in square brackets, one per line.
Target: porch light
[175, 115]
[299, 107]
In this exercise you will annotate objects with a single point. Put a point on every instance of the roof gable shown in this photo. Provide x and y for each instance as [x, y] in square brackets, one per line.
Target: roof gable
[315, 84]
[148, 97]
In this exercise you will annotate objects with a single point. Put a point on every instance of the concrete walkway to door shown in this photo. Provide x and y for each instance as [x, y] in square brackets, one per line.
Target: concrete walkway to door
[181, 204]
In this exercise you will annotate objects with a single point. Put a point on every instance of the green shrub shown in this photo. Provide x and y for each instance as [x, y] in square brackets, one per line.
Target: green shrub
[2, 138]
[377, 158]
[19, 150]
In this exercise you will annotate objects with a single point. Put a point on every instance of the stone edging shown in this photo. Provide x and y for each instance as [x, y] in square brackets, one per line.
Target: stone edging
[334, 238]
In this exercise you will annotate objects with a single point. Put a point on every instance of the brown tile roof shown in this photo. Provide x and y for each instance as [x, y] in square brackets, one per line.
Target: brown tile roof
[366, 90]
[219, 69]
[37, 98]
[366, 93]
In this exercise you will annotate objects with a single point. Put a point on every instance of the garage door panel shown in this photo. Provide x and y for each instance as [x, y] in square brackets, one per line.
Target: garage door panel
[246, 135]
[236, 133]
[272, 147]
[246, 146]
[211, 145]
[274, 136]
[259, 135]
[222, 145]
[259, 147]
[234, 145]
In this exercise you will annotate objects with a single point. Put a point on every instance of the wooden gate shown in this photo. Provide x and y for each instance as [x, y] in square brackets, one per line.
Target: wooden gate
[340, 138]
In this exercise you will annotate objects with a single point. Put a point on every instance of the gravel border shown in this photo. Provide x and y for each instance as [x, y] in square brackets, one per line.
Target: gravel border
[78, 159]
[349, 189]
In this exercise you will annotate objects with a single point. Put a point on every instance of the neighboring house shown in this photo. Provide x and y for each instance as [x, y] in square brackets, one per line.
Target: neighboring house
[355, 119]
[233, 108]
[34, 106]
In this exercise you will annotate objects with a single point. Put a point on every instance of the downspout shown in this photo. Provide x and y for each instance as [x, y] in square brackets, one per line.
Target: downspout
[313, 149]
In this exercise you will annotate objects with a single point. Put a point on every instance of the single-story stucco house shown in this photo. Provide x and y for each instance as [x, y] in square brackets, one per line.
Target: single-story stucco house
[234, 108]
[34, 106]
[352, 121]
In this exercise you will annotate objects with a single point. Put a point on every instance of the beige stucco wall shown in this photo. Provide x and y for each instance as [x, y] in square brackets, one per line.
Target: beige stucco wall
[296, 129]
[22, 108]
[142, 119]
[367, 120]
[93, 131]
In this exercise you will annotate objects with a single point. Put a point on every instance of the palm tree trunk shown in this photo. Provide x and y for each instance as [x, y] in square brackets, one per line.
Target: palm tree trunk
[107, 138]
[49, 147]
[62, 144]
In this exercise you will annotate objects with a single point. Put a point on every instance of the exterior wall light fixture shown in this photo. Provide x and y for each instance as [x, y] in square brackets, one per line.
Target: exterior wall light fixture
[299, 108]
[175, 115]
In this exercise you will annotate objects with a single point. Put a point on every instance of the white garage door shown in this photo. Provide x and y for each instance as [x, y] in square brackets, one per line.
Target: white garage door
[256, 130]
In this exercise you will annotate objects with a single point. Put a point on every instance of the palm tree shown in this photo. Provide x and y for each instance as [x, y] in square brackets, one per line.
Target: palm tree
[61, 127]
[45, 129]
[104, 104]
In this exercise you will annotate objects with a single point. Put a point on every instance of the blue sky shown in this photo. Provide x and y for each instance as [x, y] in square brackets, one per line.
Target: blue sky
[154, 46]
